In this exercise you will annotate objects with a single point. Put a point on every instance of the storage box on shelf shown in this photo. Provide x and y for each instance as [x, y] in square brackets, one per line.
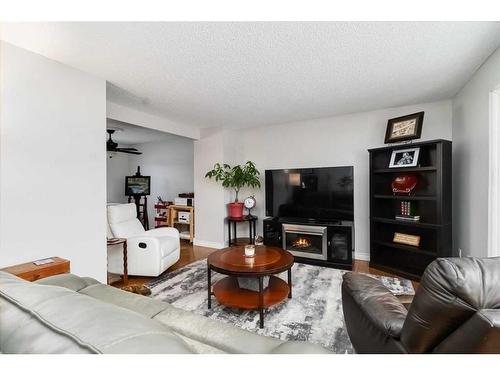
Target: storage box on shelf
[430, 201]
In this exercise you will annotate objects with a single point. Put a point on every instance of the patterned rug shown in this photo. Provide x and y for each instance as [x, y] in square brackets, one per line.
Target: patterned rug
[314, 314]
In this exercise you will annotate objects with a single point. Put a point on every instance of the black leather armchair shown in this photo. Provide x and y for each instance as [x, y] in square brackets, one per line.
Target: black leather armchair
[456, 309]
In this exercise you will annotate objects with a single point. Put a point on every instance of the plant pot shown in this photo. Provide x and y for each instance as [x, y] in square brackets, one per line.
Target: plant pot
[235, 209]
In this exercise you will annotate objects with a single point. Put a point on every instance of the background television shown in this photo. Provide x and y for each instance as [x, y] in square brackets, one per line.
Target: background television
[310, 193]
[137, 185]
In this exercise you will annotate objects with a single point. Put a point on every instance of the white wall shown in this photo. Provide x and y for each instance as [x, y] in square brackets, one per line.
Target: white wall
[471, 159]
[335, 141]
[210, 198]
[52, 163]
[117, 167]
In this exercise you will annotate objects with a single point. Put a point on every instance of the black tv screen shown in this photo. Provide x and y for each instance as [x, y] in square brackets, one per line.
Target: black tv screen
[310, 193]
[137, 185]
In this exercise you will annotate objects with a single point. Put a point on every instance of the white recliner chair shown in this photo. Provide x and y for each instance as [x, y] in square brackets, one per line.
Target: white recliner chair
[149, 252]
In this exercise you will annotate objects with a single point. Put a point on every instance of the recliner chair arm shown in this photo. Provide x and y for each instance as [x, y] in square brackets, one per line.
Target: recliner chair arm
[373, 315]
[163, 231]
[146, 243]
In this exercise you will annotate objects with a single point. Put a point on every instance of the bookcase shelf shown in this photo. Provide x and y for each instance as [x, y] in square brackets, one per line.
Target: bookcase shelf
[412, 249]
[407, 223]
[432, 202]
[406, 197]
[399, 170]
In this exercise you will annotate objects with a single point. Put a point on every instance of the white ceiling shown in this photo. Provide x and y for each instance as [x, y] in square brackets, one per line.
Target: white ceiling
[128, 134]
[254, 74]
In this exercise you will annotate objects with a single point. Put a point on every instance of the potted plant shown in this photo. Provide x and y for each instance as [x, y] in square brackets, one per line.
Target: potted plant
[235, 178]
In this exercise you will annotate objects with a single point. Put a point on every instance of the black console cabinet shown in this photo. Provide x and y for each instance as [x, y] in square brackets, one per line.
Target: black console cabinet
[340, 241]
[273, 233]
[430, 199]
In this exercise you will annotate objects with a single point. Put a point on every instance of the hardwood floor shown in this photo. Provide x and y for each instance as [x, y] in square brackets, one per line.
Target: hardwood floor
[191, 253]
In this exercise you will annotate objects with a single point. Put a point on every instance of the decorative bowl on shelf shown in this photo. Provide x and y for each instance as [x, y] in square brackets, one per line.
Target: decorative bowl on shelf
[404, 184]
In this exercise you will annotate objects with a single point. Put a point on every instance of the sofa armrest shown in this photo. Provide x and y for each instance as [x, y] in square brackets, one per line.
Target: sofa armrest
[376, 301]
[163, 231]
[480, 334]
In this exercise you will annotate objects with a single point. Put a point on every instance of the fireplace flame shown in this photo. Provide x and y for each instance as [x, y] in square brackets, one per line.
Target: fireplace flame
[301, 242]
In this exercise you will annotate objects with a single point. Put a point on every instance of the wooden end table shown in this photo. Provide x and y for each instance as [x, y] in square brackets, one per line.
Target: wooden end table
[123, 242]
[31, 272]
[268, 261]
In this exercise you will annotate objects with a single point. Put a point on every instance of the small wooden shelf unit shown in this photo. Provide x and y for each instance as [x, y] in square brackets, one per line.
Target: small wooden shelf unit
[432, 199]
[173, 215]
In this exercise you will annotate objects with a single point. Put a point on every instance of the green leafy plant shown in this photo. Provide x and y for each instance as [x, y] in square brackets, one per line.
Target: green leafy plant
[235, 177]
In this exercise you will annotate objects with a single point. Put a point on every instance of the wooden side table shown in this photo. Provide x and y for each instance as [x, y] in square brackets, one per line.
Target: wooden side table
[252, 220]
[123, 242]
[31, 272]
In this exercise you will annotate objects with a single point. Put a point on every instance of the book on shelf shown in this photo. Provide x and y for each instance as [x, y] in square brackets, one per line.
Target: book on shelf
[408, 208]
[408, 217]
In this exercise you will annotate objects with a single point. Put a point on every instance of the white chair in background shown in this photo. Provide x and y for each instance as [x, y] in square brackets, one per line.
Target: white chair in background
[149, 252]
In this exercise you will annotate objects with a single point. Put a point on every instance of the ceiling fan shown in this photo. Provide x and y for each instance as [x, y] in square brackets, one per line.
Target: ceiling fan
[112, 146]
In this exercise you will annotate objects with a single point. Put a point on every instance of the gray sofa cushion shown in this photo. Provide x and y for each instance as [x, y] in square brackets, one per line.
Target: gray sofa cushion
[103, 319]
[68, 281]
[38, 318]
[228, 338]
[203, 335]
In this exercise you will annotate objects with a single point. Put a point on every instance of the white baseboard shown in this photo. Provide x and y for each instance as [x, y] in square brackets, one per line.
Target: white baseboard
[211, 244]
[362, 256]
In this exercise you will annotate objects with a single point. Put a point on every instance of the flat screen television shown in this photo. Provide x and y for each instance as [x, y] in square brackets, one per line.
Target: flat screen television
[137, 185]
[321, 194]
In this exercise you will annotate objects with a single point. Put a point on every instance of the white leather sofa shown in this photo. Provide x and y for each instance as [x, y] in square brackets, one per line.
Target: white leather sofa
[149, 252]
[70, 314]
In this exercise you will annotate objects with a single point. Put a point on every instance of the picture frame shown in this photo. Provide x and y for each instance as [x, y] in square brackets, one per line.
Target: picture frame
[137, 185]
[404, 158]
[404, 128]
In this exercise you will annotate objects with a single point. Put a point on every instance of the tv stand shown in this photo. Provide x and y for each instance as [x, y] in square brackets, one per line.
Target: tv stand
[328, 243]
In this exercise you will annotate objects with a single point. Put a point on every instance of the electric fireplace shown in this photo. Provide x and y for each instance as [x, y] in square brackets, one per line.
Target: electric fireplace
[307, 241]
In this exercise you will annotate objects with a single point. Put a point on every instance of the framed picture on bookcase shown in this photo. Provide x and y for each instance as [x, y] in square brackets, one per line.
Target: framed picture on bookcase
[405, 158]
[404, 128]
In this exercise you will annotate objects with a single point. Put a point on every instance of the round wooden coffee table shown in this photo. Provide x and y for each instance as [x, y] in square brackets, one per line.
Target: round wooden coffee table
[268, 261]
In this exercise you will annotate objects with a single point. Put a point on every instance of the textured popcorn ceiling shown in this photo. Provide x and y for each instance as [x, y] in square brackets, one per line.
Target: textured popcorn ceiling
[254, 74]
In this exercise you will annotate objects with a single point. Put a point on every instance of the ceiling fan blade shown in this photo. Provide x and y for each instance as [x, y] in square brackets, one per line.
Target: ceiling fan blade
[127, 148]
[128, 152]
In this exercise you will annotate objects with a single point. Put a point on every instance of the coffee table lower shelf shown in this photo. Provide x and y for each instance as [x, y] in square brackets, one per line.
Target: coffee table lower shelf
[229, 294]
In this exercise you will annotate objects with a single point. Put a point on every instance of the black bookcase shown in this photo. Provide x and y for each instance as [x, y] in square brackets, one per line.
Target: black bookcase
[431, 200]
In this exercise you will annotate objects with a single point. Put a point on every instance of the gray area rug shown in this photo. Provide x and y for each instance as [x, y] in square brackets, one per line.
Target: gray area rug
[314, 314]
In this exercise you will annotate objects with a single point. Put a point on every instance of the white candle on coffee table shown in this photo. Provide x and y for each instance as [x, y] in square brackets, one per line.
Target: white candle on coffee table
[249, 250]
